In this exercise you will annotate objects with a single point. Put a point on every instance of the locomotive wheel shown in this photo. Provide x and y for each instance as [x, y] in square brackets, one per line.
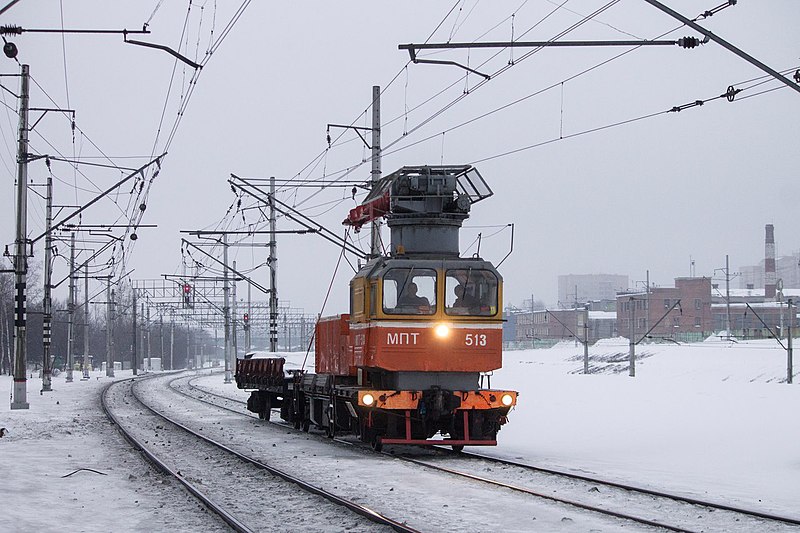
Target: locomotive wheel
[330, 431]
[458, 448]
[377, 443]
[265, 414]
[305, 425]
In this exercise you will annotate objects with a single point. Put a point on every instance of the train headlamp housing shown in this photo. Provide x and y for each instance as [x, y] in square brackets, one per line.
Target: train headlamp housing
[368, 399]
[507, 400]
[442, 330]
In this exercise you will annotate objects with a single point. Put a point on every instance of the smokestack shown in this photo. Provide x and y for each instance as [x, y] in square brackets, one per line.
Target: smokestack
[770, 278]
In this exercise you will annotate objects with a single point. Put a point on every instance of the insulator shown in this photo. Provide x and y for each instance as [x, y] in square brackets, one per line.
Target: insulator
[797, 76]
[142, 207]
[11, 30]
[688, 42]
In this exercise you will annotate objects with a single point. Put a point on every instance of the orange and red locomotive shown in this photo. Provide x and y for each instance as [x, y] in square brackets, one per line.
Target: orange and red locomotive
[407, 365]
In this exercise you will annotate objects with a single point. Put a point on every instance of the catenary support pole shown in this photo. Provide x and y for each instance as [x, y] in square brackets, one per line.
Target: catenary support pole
[234, 329]
[147, 336]
[789, 370]
[135, 362]
[273, 270]
[172, 339]
[727, 298]
[19, 398]
[226, 310]
[71, 311]
[586, 339]
[86, 321]
[109, 331]
[247, 329]
[632, 344]
[375, 232]
[47, 301]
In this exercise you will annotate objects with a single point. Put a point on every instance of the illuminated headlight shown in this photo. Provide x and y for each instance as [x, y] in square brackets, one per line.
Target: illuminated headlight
[507, 399]
[368, 399]
[442, 330]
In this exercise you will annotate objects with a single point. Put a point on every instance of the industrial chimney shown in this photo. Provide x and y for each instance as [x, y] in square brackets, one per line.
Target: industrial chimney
[770, 277]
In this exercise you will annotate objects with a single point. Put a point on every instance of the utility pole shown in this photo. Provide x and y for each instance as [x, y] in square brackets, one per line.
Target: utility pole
[273, 270]
[47, 317]
[226, 307]
[86, 321]
[234, 330]
[70, 311]
[632, 344]
[375, 235]
[135, 362]
[20, 393]
[647, 313]
[188, 349]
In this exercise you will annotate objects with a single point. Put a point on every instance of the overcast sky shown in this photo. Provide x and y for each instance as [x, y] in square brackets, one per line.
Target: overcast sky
[650, 194]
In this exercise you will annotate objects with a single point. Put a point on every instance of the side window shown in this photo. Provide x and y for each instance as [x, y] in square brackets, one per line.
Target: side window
[409, 291]
[373, 299]
[470, 292]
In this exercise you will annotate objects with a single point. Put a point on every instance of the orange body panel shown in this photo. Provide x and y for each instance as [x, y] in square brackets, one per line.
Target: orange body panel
[333, 352]
[418, 349]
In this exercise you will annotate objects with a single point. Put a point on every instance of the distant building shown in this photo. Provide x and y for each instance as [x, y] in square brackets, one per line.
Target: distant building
[747, 322]
[582, 288]
[559, 324]
[787, 268]
[680, 313]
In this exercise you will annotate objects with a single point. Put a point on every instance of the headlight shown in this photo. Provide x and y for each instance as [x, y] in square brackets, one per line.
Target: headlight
[442, 330]
[368, 399]
[507, 399]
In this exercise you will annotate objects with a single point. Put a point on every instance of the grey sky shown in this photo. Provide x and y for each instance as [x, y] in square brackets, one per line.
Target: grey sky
[646, 195]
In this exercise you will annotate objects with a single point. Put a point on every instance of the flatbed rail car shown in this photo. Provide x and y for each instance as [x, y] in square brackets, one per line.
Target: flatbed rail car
[407, 364]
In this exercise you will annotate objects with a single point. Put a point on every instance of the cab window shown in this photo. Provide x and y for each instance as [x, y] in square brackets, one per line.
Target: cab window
[470, 292]
[409, 291]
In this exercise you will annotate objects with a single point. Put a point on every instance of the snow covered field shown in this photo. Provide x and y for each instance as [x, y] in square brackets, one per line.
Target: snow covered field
[709, 419]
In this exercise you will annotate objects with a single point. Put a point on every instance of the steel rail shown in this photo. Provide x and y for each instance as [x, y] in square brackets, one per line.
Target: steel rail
[651, 492]
[469, 476]
[359, 509]
[632, 488]
[228, 518]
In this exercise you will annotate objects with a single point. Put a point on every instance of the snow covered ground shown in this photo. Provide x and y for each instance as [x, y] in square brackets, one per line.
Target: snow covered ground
[712, 419]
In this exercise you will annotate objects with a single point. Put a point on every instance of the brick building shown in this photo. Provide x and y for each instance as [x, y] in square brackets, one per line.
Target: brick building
[690, 319]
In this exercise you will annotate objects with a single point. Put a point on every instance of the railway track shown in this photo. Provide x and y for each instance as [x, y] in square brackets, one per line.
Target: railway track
[653, 508]
[229, 483]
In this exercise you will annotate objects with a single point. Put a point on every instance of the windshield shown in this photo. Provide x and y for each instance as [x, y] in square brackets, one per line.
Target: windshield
[409, 291]
[471, 292]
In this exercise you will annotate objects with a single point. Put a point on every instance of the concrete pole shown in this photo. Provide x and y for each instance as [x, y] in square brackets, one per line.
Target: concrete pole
[632, 343]
[273, 271]
[135, 362]
[375, 234]
[47, 317]
[109, 331]
[234, 329]
[728, 297]
[147, 336]
[172, 340]
[86, 321]
[789, 371]
[226, 308]
[189, 360]
[247, 335]
[19, 398]
[161, 334]
[70, 312]
[586, 340]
